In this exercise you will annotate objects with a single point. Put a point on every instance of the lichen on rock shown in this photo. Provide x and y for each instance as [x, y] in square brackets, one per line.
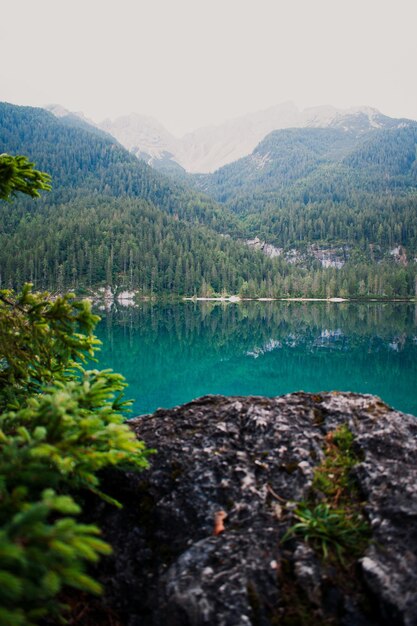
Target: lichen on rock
[254, 459]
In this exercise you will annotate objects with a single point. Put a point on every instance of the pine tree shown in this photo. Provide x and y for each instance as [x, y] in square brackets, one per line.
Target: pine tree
[59, 425]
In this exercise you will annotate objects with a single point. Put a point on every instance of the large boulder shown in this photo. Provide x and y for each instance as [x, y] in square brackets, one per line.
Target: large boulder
[199, 540]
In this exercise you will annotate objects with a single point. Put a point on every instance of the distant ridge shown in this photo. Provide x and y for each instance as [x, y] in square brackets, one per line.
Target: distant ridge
[207, 149]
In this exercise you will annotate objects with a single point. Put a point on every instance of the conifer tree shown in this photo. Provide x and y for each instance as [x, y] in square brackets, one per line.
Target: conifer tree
[17, 174]
[59, 425]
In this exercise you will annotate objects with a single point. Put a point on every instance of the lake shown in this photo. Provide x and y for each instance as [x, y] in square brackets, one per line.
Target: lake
[172, 353]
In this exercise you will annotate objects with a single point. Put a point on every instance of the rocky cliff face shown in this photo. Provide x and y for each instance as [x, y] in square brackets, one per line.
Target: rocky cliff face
[200, 538]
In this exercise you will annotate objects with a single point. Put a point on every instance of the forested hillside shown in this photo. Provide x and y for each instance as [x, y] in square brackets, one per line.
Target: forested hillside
[327, 187]
[111, 219]
[84, 160]
[313, 193]
[129, 242]
[381, 160]
[283, 157]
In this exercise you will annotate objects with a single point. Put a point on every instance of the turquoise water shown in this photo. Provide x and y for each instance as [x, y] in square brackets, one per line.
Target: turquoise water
[173, 353]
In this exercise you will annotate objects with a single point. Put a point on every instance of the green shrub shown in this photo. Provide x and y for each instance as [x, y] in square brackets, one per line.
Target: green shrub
[59, 425]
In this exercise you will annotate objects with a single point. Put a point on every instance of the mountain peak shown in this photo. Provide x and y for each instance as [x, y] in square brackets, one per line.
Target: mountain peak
[207, 149]
[57, 109]
[60, 112]
[141, 134]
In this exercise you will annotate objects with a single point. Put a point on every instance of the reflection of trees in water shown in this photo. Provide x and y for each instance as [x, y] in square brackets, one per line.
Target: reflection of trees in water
[257, 323]
[171, 353]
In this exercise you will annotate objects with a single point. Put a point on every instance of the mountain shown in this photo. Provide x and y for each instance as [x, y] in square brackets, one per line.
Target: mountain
[77, 120]
[112, 219]
[283, 157]
[207, 149]
[83, 159]
[287, 156]
[336, 195]
[147, 139]
[61, 112]
[336, 207]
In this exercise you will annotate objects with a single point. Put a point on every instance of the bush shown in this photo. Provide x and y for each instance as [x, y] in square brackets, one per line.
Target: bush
[59, 425]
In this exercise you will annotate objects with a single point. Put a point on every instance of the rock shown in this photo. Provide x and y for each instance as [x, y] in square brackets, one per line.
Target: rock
[126, 298]
[267, 248]
[252, 458]
[399, 254]
[329, 257]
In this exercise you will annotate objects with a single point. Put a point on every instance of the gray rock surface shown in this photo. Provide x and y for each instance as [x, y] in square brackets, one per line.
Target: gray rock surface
[244, 461]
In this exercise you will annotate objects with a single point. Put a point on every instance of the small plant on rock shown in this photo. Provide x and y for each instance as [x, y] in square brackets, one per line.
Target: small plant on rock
[335, 524]
[329, 529]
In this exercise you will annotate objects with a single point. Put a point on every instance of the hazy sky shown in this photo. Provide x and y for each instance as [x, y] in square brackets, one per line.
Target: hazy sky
[194, 62]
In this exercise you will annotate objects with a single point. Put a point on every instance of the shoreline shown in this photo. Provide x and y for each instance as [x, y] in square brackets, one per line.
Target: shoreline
[134, 299]
[237, 299]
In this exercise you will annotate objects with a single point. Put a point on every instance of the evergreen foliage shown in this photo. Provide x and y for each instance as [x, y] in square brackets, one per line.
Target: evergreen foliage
[17, 175]
[125, 242]
[380, 160]
[59, 425]
[130, 244]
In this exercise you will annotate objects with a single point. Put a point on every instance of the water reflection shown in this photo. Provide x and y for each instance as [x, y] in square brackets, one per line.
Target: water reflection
[175, 352]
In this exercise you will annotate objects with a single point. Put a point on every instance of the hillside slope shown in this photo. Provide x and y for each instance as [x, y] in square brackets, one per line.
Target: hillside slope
[327, 186]
[82, 159]
[111, 218]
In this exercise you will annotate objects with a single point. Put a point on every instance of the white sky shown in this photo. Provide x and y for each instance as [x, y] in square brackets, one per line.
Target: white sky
[190, 63]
